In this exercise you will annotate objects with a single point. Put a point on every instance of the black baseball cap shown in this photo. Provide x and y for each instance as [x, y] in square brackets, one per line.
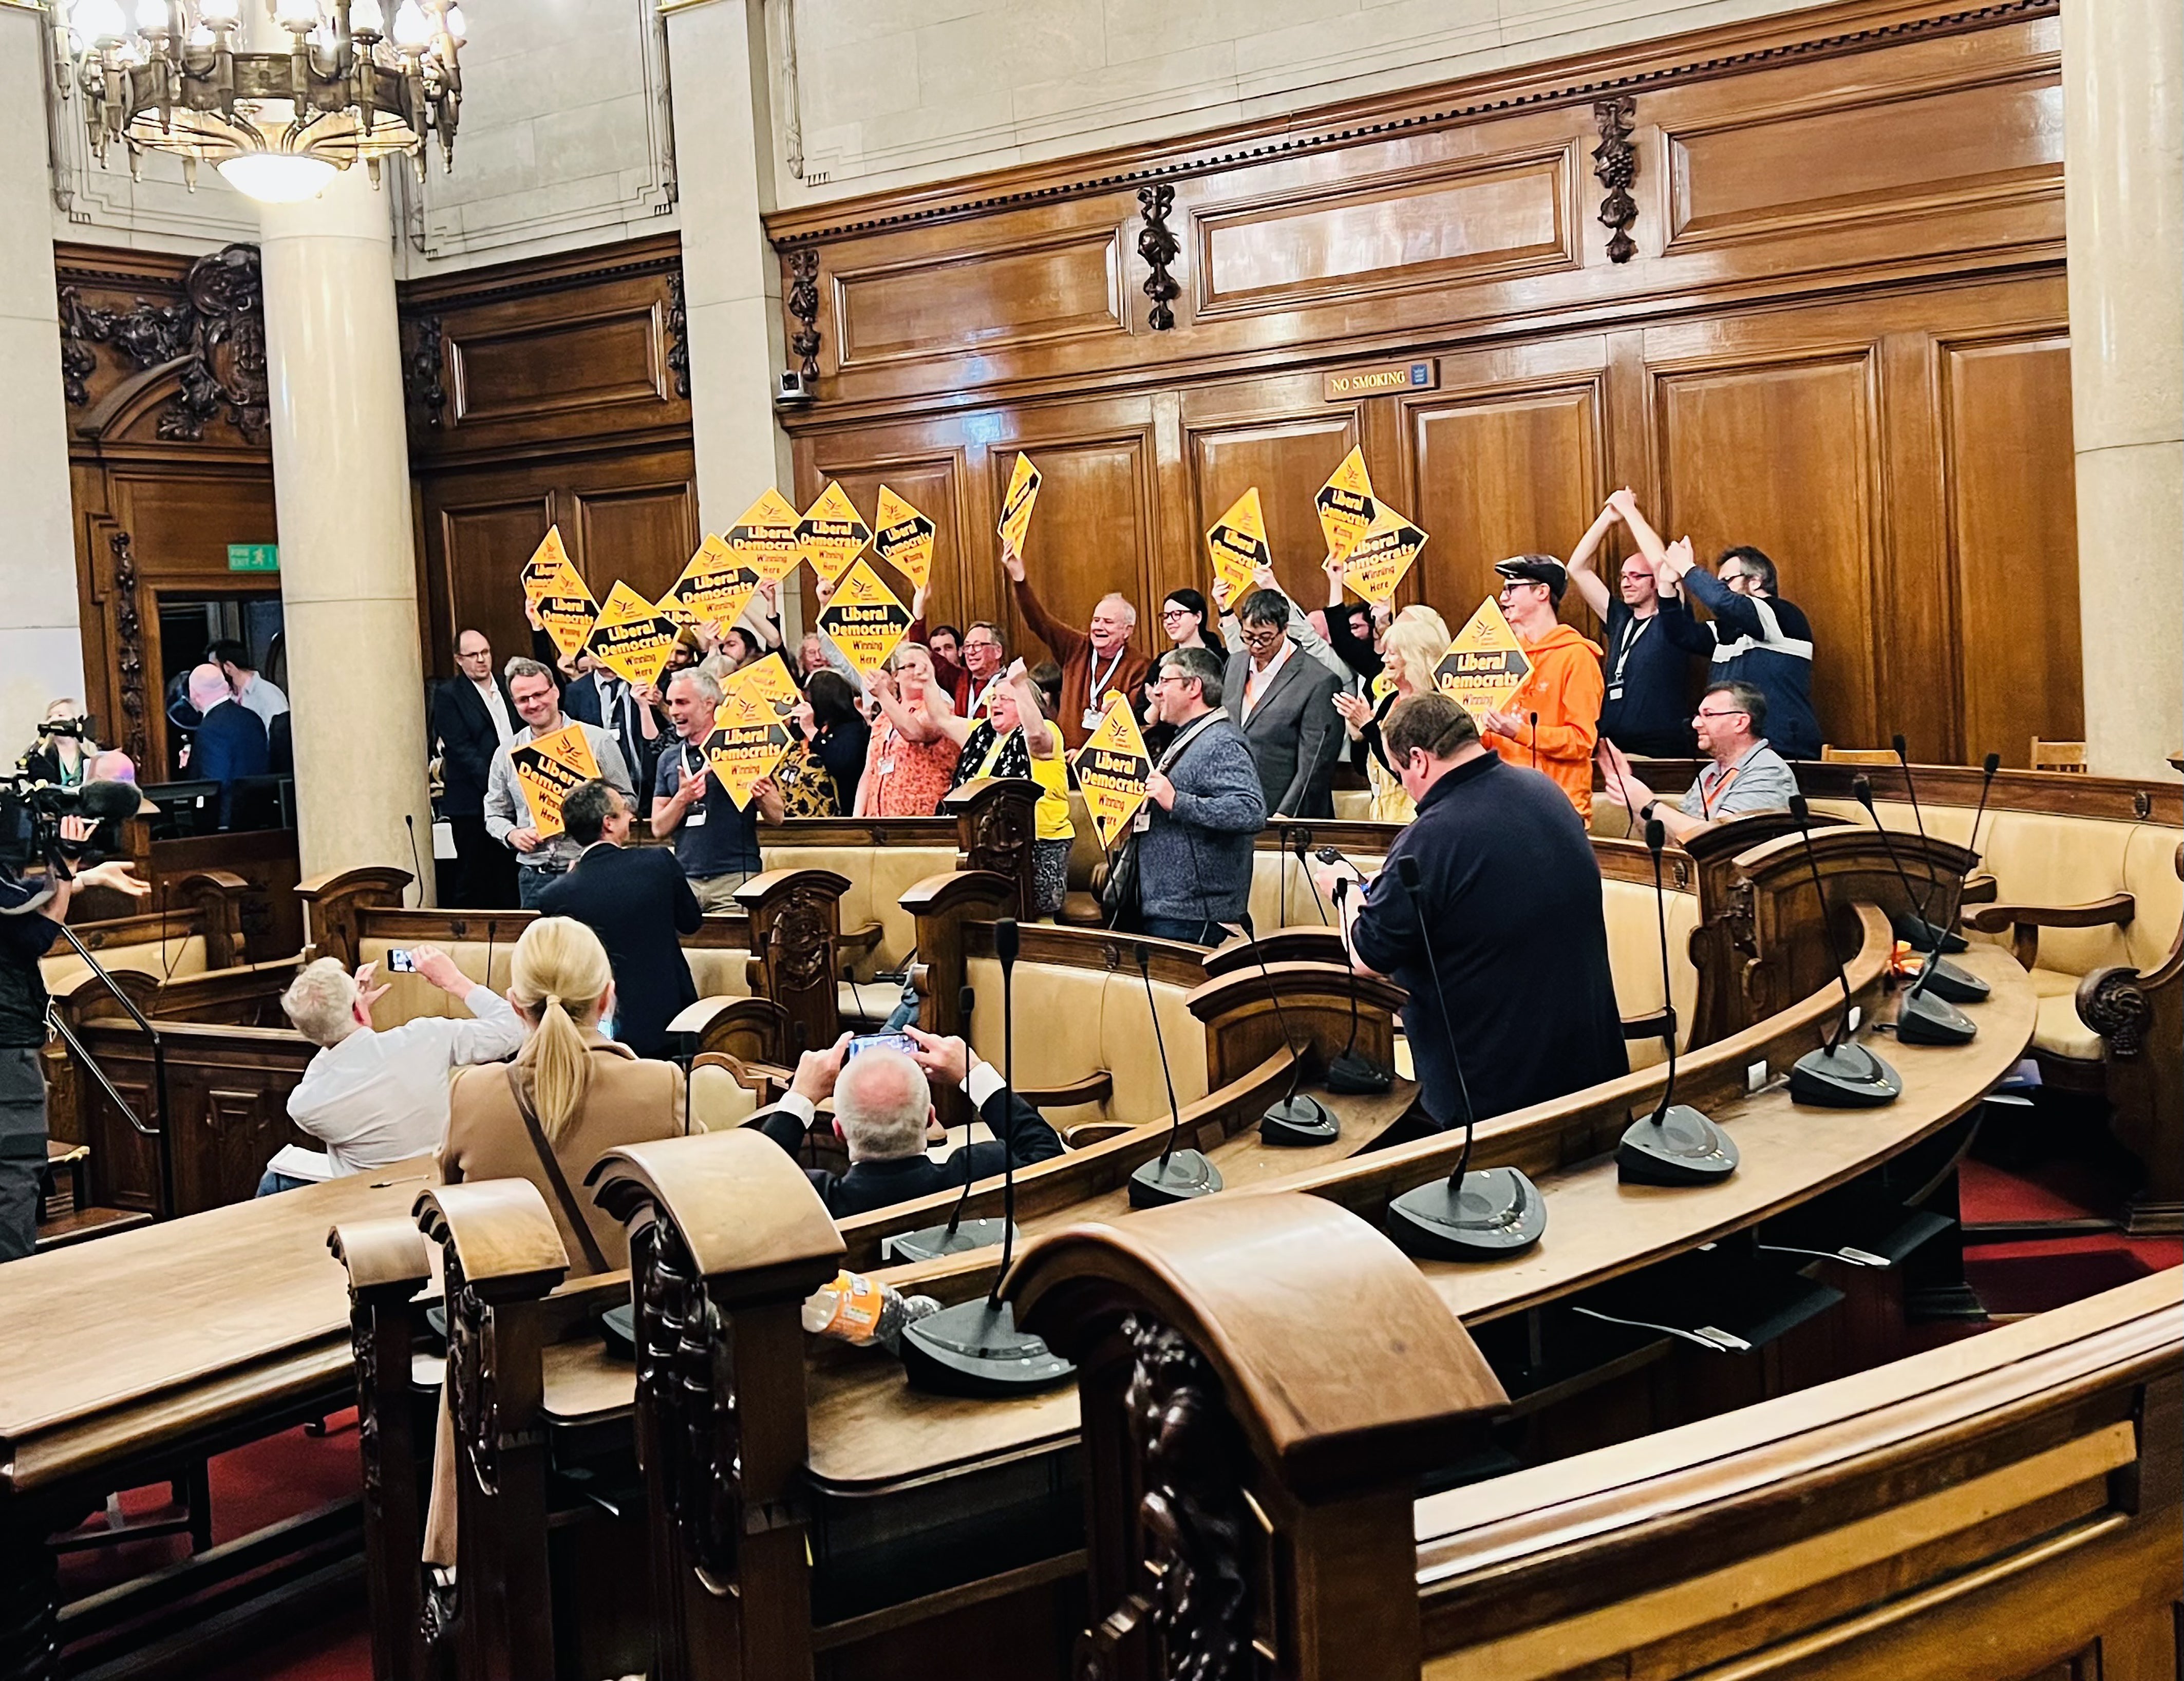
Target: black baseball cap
[1536, 569]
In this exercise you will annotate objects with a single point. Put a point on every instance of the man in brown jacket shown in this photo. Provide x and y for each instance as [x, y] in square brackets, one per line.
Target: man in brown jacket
[1096, 663]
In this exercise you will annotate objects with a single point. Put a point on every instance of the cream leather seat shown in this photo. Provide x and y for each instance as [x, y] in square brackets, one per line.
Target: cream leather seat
[182, 954]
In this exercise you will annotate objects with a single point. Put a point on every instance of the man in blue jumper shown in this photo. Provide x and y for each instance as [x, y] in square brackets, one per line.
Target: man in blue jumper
[1203, 807]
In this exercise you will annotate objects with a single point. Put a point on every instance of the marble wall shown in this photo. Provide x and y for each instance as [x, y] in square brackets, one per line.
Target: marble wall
[876, 94]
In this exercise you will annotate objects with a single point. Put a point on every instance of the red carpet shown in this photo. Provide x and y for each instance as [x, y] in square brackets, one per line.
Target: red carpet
[2031, 1275]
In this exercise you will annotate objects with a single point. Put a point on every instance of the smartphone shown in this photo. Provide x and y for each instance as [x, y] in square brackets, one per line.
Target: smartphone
[401, 963]
[901, 1041]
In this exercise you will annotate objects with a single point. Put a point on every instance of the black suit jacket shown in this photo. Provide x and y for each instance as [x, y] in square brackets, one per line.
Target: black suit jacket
[229, 744]
[880, 1184]
[468, 740]
[581, 700]
[637, 901]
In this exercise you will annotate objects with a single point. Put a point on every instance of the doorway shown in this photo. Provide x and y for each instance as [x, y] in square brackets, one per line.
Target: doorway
[189, 623]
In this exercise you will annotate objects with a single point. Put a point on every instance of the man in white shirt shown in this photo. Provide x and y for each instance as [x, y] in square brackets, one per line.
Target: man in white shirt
[244, 682]
[372, 1098]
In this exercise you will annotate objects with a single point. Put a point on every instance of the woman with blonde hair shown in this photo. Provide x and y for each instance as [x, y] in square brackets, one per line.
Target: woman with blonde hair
[570, 1096]
[1412, 646]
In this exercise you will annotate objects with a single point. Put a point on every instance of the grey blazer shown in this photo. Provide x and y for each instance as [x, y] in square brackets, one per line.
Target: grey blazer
[1295, 734]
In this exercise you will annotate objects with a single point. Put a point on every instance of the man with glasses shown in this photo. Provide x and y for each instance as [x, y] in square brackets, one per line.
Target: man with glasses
[1097, 662]
[541, 860]
[472, 719]
[1203, 807]
[1742, 772]
[1552, 723]
[1754, 637]
[1284, 700]
[983, 654]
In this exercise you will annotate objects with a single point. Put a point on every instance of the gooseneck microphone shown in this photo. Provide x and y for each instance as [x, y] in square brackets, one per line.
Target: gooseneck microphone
[1677, 1145]
[1304, 863]
[1946, 981]
[1352, 1073]
[1297, 1119]
[1175, 1175]
[1467, 1217]
[958, 1235]
[975, 1347]
[1923, 934]
[1535, 741]
[416, 862]
[1991, 764]
[1839, 1074]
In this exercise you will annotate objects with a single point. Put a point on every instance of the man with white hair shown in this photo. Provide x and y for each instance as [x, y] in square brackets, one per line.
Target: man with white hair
[373, 1098]
[716, 839]
[883, 1106]
[229, 743]
[1097, 662]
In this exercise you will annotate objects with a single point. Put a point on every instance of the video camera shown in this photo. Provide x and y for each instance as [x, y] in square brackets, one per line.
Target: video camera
[31, 813]
[77, 728]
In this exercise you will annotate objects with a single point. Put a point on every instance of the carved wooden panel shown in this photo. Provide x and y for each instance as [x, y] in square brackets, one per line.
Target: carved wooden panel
[1855, 157]
[2014, 542]
[181, 523]
[1417, 227]
[1785, 456]
[484, 546]
[1060, 286]
[641, 533]
[1288, 457]
[575, 361]
[1499, 473]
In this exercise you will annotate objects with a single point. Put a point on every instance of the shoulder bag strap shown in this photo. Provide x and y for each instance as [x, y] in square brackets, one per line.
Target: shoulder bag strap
[570, 1210]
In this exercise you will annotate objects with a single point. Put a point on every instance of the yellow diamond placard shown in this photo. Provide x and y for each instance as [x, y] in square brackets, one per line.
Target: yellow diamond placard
[633, 638]
[1024, 481]
[1111, 768]
[1485, 665]
[904, 539]
[864, 618]
[715, 587]
[1237, 544]
[1345, 504]
[833, 533]
[549, 768]
[750, 726]
[557, 593]
[766, 537]
[1384, 554]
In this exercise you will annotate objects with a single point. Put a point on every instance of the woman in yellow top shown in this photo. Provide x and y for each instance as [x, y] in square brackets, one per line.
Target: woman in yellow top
[1014, 739]
[1412, 647]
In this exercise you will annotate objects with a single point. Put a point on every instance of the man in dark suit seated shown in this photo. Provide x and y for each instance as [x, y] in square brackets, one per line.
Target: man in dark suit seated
[472, 718]
[636, 900]
[882, 1107]
[229, 743]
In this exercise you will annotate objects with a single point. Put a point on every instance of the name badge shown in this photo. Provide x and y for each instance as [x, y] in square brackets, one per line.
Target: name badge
[1091, 717]
[1615, 691]
[694, 818]
[1143, 822]
[885, 767]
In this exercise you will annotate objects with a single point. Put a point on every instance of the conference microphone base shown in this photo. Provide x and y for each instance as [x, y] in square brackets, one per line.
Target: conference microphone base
[975, 1349]
[1848, 1076]
[1355, 1076]
[1682, 1147]
[1926, 936]
[1924, 1018]
[928, 1242]
[1953, 982]
[1184, 1175]
[1496, 1212]
[1298, 1121]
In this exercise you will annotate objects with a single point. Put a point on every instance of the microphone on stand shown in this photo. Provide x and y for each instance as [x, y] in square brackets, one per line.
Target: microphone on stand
[1677, 1145]
[1535, 741]
[1297, 1119]
[1991, 764]
[959, 1234]
[975, 1347]
[1304, 862]
[1923, 934]
[1946, 981]
[1352, 1073]
[1839, 1074]
[1467, 1217]
[1175, 1175]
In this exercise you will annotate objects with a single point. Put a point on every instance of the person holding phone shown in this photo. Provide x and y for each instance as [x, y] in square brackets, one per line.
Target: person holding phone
[883, 1098]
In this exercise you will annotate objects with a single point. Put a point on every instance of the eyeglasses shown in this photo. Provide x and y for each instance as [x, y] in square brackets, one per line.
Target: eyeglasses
[1727, 712]
[1177, 613]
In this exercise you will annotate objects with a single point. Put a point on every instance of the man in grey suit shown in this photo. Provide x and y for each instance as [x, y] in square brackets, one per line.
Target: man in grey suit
[1285, 702]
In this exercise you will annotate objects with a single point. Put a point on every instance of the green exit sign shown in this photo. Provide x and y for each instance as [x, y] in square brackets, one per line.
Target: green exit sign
[254, 557]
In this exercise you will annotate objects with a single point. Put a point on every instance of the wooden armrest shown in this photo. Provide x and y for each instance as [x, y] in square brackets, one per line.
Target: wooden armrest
[1087, 1133]
[2116, 910]
[1651, 1027]
[1094, 1087]
[1980, 889]
[860, 939]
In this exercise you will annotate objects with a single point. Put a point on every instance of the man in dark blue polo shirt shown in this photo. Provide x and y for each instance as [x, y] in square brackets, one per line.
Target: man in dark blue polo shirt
[716, 841]
[1645, 708]
[1512, 924]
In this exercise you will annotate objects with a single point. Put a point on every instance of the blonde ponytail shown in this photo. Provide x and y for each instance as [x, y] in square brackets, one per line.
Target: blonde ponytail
[561, 977]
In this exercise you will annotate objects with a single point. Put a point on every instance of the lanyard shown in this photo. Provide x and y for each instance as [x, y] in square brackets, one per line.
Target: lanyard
[1708, 796]
[1094, 682]
[1637, 627]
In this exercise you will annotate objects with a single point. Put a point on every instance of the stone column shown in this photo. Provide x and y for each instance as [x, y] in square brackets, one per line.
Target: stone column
[730, 277]
[2123, 84]
[349, 576]
[41, 647]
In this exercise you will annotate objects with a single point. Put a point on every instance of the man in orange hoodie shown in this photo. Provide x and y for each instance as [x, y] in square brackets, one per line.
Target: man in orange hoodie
[1552, 724]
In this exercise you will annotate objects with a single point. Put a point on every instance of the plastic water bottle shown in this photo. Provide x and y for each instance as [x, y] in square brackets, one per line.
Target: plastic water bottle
[861, 1310]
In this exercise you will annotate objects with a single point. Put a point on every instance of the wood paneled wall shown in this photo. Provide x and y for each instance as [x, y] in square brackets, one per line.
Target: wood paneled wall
[540, 394]
[1839, 333]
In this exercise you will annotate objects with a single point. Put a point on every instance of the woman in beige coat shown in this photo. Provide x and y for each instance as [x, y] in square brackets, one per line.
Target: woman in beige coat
[570, 1096]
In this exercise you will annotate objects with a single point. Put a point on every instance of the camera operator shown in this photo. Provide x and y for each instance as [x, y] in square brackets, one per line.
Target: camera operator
[65, 748]
[31, 912]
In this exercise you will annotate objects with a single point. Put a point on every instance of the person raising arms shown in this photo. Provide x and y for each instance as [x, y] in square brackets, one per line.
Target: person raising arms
[1642, 710]
[911, 761]
[1015, 738]
[1096, 662]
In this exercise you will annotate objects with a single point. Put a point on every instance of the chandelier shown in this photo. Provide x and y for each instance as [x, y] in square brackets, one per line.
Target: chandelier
[276, 116]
